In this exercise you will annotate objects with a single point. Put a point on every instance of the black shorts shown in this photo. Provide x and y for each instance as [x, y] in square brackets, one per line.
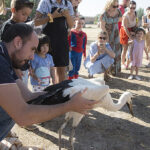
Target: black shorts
[60, 53]
[58, 34]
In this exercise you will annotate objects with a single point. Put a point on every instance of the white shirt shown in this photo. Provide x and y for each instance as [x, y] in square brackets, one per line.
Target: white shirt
[45, 6]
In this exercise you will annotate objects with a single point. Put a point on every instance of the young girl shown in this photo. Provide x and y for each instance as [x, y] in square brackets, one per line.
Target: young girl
[42, 65]
[136, 53]
[132, 33]
[101, 56]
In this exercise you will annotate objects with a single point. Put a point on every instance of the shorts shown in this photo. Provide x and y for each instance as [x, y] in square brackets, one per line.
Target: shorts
[123, 36]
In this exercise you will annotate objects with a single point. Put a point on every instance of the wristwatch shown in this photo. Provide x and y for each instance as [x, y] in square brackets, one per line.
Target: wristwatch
[50, 17]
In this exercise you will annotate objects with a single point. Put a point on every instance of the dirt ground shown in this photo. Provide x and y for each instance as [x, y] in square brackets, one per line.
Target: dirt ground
[103, 130]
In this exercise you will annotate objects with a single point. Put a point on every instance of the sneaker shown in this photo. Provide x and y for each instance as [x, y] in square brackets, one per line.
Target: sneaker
[130, 77]
[137, 78]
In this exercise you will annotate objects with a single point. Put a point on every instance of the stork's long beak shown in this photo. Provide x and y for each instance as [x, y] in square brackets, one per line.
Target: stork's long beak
[130, 108]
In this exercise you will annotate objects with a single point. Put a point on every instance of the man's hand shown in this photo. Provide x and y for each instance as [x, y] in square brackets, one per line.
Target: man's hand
[80, 104]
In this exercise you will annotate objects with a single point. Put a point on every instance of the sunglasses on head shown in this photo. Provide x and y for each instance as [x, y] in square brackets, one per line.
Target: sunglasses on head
[28, 2]
[132, 7]
[102, 38]
[115, 6]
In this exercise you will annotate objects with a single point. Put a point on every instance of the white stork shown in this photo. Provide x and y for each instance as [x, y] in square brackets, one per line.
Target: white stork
[96, 90]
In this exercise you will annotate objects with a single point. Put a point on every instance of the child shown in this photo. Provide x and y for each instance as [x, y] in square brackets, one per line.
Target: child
[78, 40]
[42, 65]
[132, 33]
[21, 10]
[101, 56]
[136, 53]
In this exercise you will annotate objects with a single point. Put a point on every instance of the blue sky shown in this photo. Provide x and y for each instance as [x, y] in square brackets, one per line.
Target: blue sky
[93, 7]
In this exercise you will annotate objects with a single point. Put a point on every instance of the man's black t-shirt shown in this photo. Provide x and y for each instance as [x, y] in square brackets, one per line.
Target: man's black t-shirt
[7, 75]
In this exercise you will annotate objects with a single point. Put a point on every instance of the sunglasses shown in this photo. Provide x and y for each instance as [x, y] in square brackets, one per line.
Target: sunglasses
[132, 7]
[115, 6]
[102, 38]
[28, 2]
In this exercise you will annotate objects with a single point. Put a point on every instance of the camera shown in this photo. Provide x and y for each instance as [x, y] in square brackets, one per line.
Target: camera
[60, 10]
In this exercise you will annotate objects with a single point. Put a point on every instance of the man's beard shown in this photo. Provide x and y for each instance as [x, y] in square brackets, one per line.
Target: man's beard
[16, 63]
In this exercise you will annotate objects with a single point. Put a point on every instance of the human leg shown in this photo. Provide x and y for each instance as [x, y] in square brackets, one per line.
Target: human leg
[137, 71]
[73, 61]
[124, 51]
[60, 74]
[77, 64]
[131, 73]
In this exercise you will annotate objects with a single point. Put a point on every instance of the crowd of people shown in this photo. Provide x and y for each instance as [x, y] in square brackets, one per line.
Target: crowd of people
[45, 56]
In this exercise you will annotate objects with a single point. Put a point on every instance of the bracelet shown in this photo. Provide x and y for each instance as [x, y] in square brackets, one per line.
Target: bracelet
[50, 17]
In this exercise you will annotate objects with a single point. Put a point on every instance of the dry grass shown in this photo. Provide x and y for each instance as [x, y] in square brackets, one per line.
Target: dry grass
[103, 130]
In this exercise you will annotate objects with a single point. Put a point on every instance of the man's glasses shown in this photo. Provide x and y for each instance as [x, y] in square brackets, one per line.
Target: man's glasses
[102, 38]
[115, 6]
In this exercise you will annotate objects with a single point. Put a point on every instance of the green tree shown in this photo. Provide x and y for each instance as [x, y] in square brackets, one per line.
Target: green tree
[140, 13]
[96, 19]
[7, 16]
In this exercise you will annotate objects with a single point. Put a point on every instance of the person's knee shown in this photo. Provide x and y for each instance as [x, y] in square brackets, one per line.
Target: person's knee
[60, 69]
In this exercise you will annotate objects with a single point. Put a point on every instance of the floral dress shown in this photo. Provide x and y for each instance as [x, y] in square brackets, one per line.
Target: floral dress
[114, 40]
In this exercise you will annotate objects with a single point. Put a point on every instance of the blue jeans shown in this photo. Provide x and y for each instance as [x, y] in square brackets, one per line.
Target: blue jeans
[6, 124]
[76, 59]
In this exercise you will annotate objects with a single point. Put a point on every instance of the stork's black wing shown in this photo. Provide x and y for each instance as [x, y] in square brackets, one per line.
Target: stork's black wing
[54, 94]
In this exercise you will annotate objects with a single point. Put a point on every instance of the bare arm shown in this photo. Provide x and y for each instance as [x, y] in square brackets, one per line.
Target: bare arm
[131, 51]
[52, 71]
[93, 58]
[26, 93]
[125, 26]
[69, 19]
[41, 19]
[110, 53]
[146, 52]
[102, 23]
[12, 102]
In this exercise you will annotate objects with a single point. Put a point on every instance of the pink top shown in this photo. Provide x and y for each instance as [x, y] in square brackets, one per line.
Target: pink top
[137, 53]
